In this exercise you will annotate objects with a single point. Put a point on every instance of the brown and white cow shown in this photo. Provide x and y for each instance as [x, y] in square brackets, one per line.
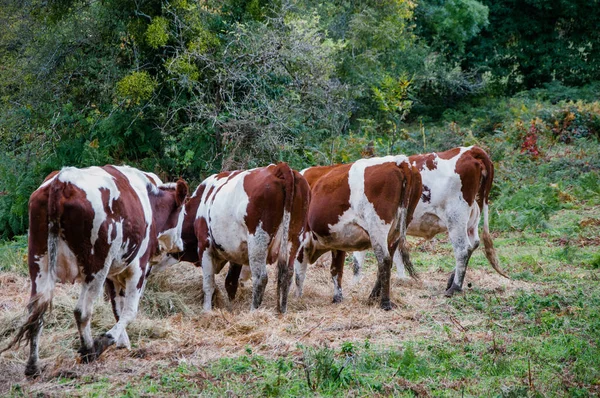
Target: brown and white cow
[250, 217]
[356, 206]
[97, 225]
[456, 187]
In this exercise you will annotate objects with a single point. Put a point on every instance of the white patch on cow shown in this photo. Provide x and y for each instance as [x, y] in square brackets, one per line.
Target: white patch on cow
[170, 240]
[429, 218]
[167, 185]
[109, 233]
[225, 212]
[43, 284]
[91, 180]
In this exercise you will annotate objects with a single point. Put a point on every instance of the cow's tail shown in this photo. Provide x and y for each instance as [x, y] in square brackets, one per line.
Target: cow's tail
[409, 197]
[44, 280]
[287, 175]
[482, 200]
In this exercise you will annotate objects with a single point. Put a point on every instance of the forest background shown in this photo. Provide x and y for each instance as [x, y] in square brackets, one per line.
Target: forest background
[189, 88]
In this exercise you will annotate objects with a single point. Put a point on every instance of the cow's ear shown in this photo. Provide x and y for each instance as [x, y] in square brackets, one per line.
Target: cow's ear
[181, 191]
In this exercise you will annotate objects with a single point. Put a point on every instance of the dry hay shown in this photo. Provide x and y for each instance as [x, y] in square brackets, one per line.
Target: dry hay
[172, 328]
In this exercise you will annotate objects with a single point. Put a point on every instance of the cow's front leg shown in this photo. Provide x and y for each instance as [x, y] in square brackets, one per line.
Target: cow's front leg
[358, 259]
[300, 265]
[337, 273]
[232, 279]
[208, 280]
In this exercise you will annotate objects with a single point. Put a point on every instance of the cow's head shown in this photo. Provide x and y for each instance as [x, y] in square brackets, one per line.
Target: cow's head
[171, 212]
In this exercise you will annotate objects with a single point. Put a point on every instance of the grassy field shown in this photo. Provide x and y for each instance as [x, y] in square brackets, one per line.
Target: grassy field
[537, 334]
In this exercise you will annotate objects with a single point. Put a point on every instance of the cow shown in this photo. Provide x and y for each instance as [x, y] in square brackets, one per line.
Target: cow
[456, 187]
[356, 206]
[249, 217]
[96, 225]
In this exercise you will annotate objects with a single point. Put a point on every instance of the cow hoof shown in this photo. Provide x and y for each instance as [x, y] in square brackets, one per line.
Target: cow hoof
[388, 305]
[102, 343]
[231, 290]
[453, 289]
[450, 281]
[32, 370]
[375, 294]
[337, 298]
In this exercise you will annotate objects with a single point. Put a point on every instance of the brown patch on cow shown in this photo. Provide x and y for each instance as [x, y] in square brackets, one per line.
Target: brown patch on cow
[227, 174]
[148, 176]
[208, 194]
[266, 195]
[38, 231]
[301, 256]
[202, 236]
[330, 199]
[421, 161]
[383, 187]
[313, 174]
[449, 154]
[109, 290]
[470, 171]
[128, 208]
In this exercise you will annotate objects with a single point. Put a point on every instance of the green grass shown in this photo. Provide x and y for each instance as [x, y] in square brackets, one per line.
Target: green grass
[539, 340]
[13, 255]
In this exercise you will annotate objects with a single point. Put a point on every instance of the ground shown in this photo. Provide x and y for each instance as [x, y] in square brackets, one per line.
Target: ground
[537, 334]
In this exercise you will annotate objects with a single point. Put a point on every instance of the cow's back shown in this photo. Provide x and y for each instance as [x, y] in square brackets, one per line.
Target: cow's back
[101, 212]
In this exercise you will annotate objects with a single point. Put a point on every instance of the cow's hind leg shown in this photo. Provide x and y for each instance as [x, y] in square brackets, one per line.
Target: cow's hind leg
[232, 279]
[116, 294]
[258, 245]
[337, 272]
[384, 271]
[91, 288]
[300, 265]
[462, 253]
[129, 296]
[358, 259]
[32, 368]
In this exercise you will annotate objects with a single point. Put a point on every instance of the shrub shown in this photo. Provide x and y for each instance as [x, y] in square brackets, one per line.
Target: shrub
[576, 120]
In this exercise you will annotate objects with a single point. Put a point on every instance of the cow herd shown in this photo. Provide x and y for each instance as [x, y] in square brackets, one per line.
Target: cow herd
[107, 227]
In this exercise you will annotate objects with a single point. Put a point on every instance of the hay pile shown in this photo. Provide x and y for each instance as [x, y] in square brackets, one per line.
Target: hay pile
[172, 328]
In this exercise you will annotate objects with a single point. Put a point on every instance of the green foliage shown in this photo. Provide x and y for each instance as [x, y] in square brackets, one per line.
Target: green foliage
[188, 89]
[136, 87]
[449, 25]
[157, 34]
[528, 207]
[533, 42]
